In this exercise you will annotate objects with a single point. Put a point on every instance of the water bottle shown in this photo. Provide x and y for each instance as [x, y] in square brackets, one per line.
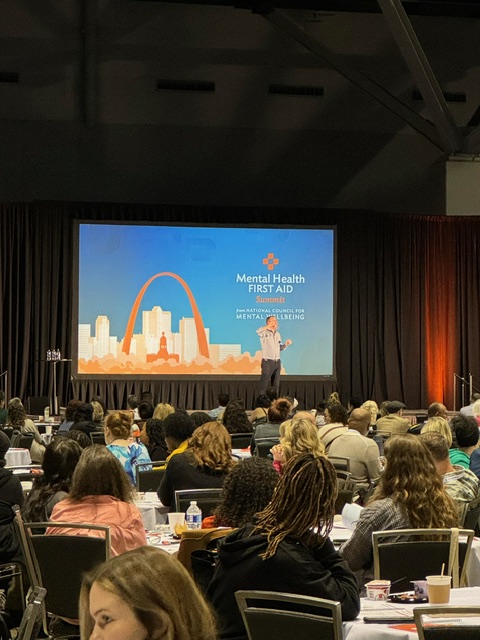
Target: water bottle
[194, 516]
[46, 414]
[49, 355]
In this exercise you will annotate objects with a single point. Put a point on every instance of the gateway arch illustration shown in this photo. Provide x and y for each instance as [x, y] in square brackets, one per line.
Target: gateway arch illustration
[200, 329]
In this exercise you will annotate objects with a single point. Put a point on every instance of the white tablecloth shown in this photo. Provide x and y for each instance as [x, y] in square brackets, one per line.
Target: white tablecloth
[152, 510]
[17, 457]
[358, 630]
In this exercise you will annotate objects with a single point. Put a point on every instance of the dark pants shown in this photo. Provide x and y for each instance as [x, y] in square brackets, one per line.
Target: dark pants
[270, 376]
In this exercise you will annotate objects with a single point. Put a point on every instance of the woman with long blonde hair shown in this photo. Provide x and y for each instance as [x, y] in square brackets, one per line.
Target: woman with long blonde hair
[204, 465]
[441, 426]
[298, 435]
[409, 495]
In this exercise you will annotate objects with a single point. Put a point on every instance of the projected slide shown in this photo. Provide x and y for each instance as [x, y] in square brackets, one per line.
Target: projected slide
[188, 300]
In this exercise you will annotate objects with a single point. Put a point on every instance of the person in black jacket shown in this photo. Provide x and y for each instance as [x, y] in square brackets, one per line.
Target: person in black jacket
[286, 548]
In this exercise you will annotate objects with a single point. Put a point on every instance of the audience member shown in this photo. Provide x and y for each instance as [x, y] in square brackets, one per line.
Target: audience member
[153, 437]
[393, 421]
[17, 419]
[132, 405]
[439, 425]
[83, 413]
[270, 431]
[410, 495]
[11, 491]
[178, 428]
[235, 419]
[335, 423]
[372, 407]
[319, 413]
[271, 394]
[59, 462]
[353, 403]
[3, 411]
[216, 414]
[204, 464]
[199, 417]
[85, 426]
[437, 410]
[162, 410]
[101, 493]
[79, 436]
[260, 410]
[460, 483]
[466, 435]
[467, 411]
[69, 414]
[334, 398]
[286, 548]
[297, 435]
[476, 411]
[247, 489]
[98, 414]
[117, 438]
[143, 594]
[362, 452]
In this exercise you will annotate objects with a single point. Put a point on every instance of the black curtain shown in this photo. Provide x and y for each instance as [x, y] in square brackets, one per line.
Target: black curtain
[407, 304]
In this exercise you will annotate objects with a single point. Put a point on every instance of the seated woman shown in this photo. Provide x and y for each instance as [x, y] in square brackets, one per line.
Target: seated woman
[101, 494]
[235, 418]
[59, 462]
[153, 437]
[11, 491]
[260, 410]
[247, 489]
[17, 418]
[410, 495]
[286, 548]
[297, 435]
[143, 594]
[204, 465]
[117, 437]
[277, 413]
[439, 425]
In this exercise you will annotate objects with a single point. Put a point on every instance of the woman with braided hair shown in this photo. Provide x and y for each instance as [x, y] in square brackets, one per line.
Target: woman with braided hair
[286, 548]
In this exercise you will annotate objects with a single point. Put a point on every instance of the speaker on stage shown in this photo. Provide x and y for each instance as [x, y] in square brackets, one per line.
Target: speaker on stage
[36, 405]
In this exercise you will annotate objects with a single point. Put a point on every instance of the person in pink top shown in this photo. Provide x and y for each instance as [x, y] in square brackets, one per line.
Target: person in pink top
[101, 493]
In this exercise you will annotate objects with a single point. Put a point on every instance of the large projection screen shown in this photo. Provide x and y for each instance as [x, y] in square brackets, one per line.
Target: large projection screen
[156, 300]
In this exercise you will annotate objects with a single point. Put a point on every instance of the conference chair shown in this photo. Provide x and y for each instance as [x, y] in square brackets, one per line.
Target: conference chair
[22, 441]
[149, 479]
[58, 563]
[11, 584]
[97, 437]
[340, 463]
[263, 446]
[346, 491]
[444, 622]
[31, 623]
[268, 615]
[194, 540]
[241, 440]
[207, 500]
[472, 516]
[403, 555]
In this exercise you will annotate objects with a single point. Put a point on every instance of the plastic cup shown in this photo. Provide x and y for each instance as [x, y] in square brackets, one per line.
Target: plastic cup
[48, 429]
[438, 588]
[175, 518]
[378, 589]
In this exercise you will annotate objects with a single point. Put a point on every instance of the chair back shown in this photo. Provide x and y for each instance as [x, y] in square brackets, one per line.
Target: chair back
[22, 441]
[346, 490]
[207, 500]
[340, 463]
[149, 479]
[241, 440]
[443, 622]
[263, 446]
[58, 563]
[197, 539]
[97, 437]
[423, 551]
[472, 515]
[281, 616]
[32, 618]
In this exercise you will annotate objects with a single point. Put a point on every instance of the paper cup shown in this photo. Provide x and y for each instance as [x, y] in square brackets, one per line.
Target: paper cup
[378, 589]
[48, 429]
[175, 518]
[438, 588]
